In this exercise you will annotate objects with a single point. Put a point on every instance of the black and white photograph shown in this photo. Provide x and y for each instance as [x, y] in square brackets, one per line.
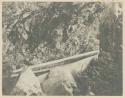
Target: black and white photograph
[70, 48]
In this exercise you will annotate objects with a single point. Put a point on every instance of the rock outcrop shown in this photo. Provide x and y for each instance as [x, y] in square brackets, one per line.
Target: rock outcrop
[59, 82]
[28, 84]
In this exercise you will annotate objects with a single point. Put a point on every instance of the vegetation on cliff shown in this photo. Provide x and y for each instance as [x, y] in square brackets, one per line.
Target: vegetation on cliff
[38, 32]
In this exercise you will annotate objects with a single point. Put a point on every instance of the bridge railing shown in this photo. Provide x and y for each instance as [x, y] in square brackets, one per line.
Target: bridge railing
[44, 67]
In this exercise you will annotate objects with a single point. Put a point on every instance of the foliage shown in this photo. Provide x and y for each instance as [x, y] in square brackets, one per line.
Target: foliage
[37, 32]
[41, 32]
[106, 72]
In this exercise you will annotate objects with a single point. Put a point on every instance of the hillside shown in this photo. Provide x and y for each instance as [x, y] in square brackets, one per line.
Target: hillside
[39, 32]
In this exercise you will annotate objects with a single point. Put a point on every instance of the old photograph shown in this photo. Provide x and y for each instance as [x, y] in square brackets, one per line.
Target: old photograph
[62, 48]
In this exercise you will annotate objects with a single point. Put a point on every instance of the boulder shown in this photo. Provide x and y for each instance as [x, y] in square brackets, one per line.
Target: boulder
[27, 84]
[59, 81]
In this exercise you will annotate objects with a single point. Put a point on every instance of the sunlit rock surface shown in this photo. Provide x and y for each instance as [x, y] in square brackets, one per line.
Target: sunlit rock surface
[27, 84]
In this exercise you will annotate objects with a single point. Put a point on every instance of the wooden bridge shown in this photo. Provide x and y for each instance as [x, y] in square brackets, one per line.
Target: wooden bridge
[73, 63]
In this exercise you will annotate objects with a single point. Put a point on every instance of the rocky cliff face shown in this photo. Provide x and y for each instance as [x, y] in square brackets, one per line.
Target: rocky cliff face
[108, 70]
[38, 32]
[111, 48]
[34, 33]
